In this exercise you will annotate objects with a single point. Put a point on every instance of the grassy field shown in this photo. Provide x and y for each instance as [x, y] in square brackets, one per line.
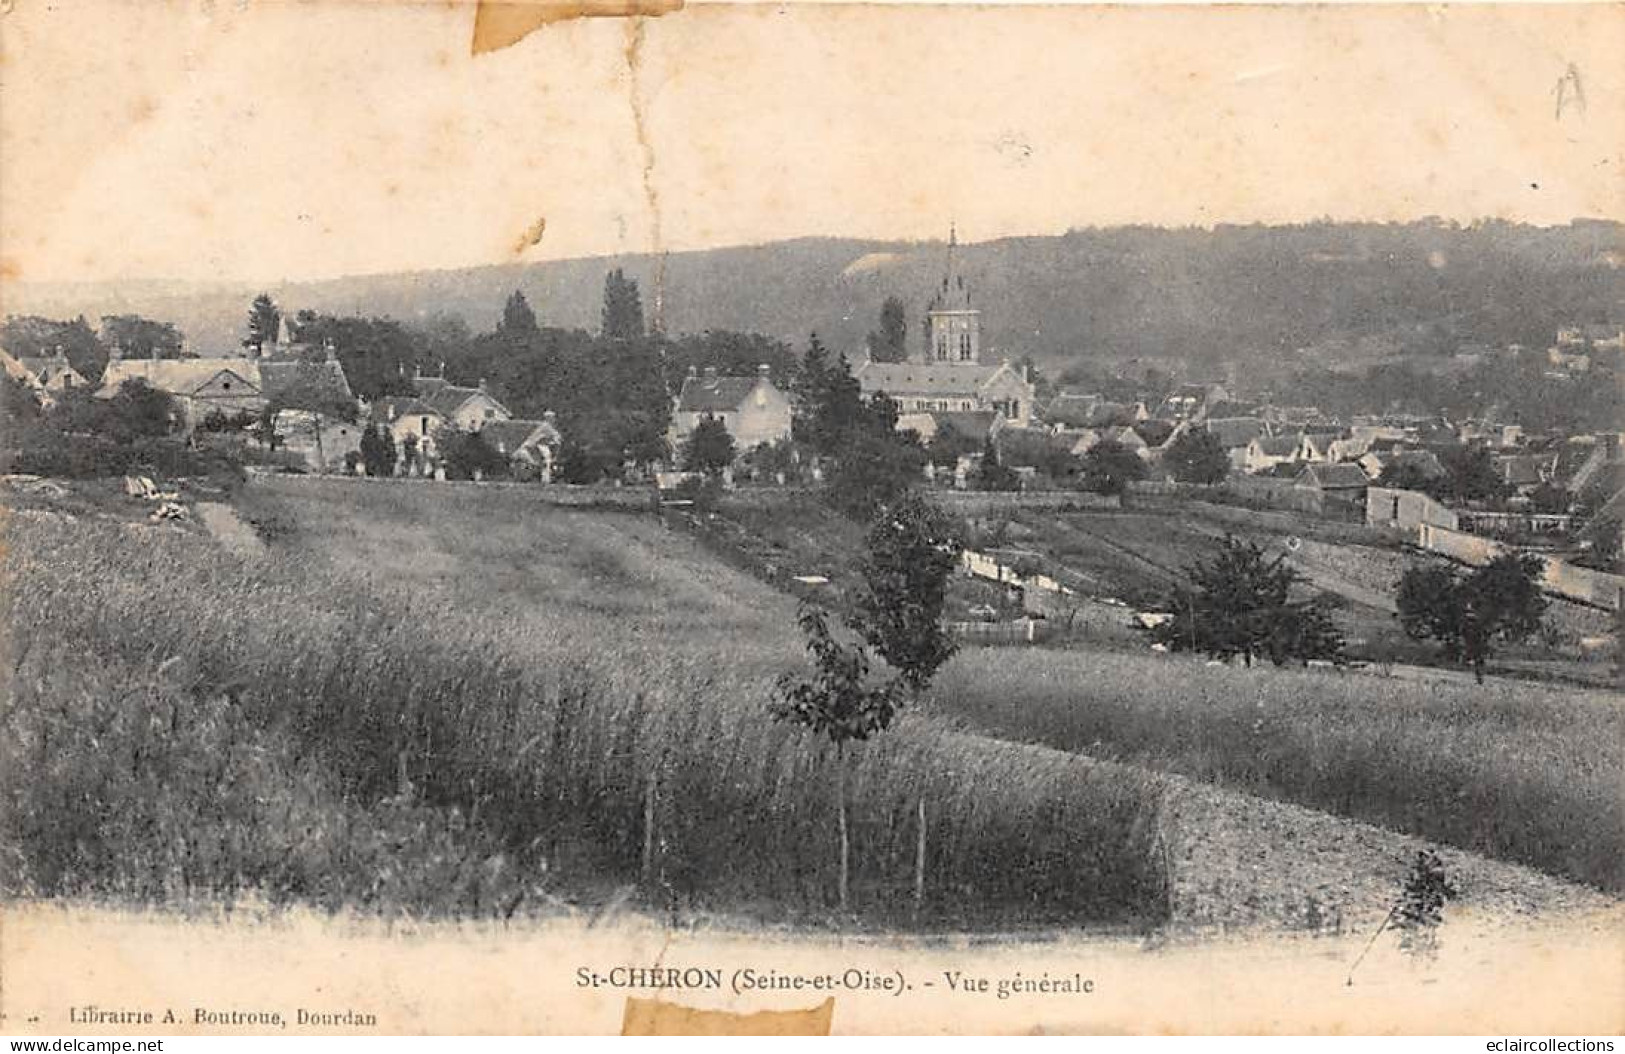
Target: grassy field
[466, 701]
[1514, 771]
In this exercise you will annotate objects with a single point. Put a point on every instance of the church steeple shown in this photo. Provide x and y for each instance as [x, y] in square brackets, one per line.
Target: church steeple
[953, 326]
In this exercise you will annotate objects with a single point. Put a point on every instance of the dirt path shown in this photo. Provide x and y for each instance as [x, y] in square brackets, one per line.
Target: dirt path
[228, 529]
[1241, 861]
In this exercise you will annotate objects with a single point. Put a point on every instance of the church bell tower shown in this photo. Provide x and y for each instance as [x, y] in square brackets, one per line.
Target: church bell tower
[953, 329]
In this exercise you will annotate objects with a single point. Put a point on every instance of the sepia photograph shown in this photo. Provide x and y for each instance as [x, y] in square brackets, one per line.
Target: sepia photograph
[614, 517]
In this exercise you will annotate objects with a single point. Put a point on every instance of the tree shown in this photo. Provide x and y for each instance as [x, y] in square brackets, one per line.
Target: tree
[709, 448]
[829, 401]
[19, 402]
[838, 703]
[378, 354]
[873, 468]
[139, 411]
[409, 453]
[890, 342]
[1109, 467]
[991, 474]
[1240, 604]
[1470, 475]
[264, 319]
[911, 550]
[1197, 457]
[467, 455]
[1469, 615]
[378, 451]
[949, 444]
[622, 317]
[577, 463]
[518, 320]
[1408, 475]
[141, 338]
[31, 336]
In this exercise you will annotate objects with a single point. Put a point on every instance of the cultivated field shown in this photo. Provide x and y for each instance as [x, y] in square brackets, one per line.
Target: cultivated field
[1511, 770]
[469, 701]
[466, 701]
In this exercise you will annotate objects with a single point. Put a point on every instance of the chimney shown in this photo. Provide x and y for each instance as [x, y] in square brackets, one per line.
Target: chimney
[327, 350]
[116, 352]
[693, 371]
[710, 373]
[482, 384]
[415, 371]
[765, 372]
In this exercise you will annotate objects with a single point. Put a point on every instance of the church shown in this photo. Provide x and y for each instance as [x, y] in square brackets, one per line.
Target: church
[950, 374]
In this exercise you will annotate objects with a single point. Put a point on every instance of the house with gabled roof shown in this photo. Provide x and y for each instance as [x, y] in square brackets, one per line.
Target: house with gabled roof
[972, 424]
[1378, 460]
[469, 409]
[1266, 452]
[1342, 479]
[753, 409]
[1191, 402]
[528, 443]
[51, 373]
[1234, 434]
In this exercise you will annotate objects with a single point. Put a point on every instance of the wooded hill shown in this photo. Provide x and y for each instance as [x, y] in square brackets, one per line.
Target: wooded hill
[1248, 295]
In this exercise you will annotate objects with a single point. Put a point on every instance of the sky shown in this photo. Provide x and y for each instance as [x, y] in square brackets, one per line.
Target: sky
[262, 140]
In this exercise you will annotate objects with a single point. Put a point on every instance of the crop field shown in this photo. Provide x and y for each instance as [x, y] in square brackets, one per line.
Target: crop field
[1509, 770]
[465, 702]
[470, 702]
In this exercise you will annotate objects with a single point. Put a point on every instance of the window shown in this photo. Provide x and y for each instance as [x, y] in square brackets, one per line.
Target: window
[964, 347]
[942, 347]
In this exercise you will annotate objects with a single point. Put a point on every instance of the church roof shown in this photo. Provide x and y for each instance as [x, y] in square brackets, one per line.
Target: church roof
[911, 378]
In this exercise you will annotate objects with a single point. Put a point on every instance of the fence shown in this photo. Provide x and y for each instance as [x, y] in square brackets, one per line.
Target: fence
[1287, 523]
[1558, 577]
[992, 503]
[642, 498]
[1278, 495]
[1020, 631]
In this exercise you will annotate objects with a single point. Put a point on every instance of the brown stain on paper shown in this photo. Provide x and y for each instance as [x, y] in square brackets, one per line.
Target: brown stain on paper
[652, 1017]
[500, 23]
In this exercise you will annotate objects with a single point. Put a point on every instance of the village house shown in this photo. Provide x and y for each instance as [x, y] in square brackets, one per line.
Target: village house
[531, 447]
[1334, 480]
[412, 423]
[1603, 336]
[978, 425]
[753, 409]
[1235, 434]
[1405, 509]
[1192, 402]
[1380, 458]
[1070, 412]
[1266, 452]
[1523, 472]
[468, 409]
[324, 442]
[48, 373]
[232, 386]
[951, 373]
[1125, 435]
